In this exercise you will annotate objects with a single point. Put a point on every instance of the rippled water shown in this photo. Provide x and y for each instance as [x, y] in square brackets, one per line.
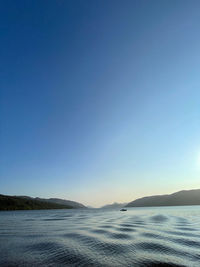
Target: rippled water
[162, 236]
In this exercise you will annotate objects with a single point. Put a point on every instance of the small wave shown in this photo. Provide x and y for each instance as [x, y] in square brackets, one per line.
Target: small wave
[55, 219]
[43, 247]
[106, 226]
[178, 233]
[120, 236]
[159, 264]
[159, 218]
[70, 258]
[99, 231]
[126, 225]
[156, 247]
[125, 229]
[97, 245]
[188, 243]
[186, 229]
[151, 235]
[110, 248]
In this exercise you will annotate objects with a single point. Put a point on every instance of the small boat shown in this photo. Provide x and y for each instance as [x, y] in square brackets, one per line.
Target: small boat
[123, 210]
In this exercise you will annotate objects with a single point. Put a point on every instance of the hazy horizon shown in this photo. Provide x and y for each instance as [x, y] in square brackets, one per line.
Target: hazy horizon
[108, 203]
[99, 100]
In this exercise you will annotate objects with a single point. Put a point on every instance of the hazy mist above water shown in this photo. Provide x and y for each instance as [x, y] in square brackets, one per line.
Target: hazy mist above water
[98, 237]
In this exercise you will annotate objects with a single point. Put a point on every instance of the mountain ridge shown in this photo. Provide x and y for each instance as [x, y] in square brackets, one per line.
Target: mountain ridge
[180, 198]
[74, 204]
[28, 203]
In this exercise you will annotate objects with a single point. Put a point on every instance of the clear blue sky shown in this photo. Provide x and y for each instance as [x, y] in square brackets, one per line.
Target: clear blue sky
[99, 100]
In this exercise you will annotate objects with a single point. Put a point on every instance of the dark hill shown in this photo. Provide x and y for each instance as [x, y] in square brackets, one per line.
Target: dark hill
[73, 204]
[181, 198]
[27, 203]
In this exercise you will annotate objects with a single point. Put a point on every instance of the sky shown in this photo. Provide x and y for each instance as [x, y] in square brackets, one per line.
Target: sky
[99, 100]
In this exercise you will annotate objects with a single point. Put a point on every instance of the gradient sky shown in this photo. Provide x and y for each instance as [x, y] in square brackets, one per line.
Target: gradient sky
[99, 100]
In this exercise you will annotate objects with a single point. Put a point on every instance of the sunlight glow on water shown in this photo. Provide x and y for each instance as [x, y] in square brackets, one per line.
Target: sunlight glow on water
[138, 237]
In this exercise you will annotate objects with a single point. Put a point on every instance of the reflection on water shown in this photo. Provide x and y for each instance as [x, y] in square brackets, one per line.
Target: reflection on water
[162, 236]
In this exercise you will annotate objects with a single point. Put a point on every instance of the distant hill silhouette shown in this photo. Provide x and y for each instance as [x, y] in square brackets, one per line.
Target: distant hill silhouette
[28, 203]
[114, 205]
[73, 204]
[181, 198]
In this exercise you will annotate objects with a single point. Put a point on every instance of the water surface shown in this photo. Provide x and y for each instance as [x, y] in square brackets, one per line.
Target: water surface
[160, 236]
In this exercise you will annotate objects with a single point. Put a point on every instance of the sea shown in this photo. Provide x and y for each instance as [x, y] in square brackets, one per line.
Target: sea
[157, 236]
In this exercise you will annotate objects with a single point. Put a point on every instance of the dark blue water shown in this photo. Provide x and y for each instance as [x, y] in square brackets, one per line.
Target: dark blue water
[167, 236]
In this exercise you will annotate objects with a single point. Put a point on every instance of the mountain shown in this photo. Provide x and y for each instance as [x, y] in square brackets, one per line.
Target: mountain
[181, 198]
[73, 204]
[114, 205]
[28, 203]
